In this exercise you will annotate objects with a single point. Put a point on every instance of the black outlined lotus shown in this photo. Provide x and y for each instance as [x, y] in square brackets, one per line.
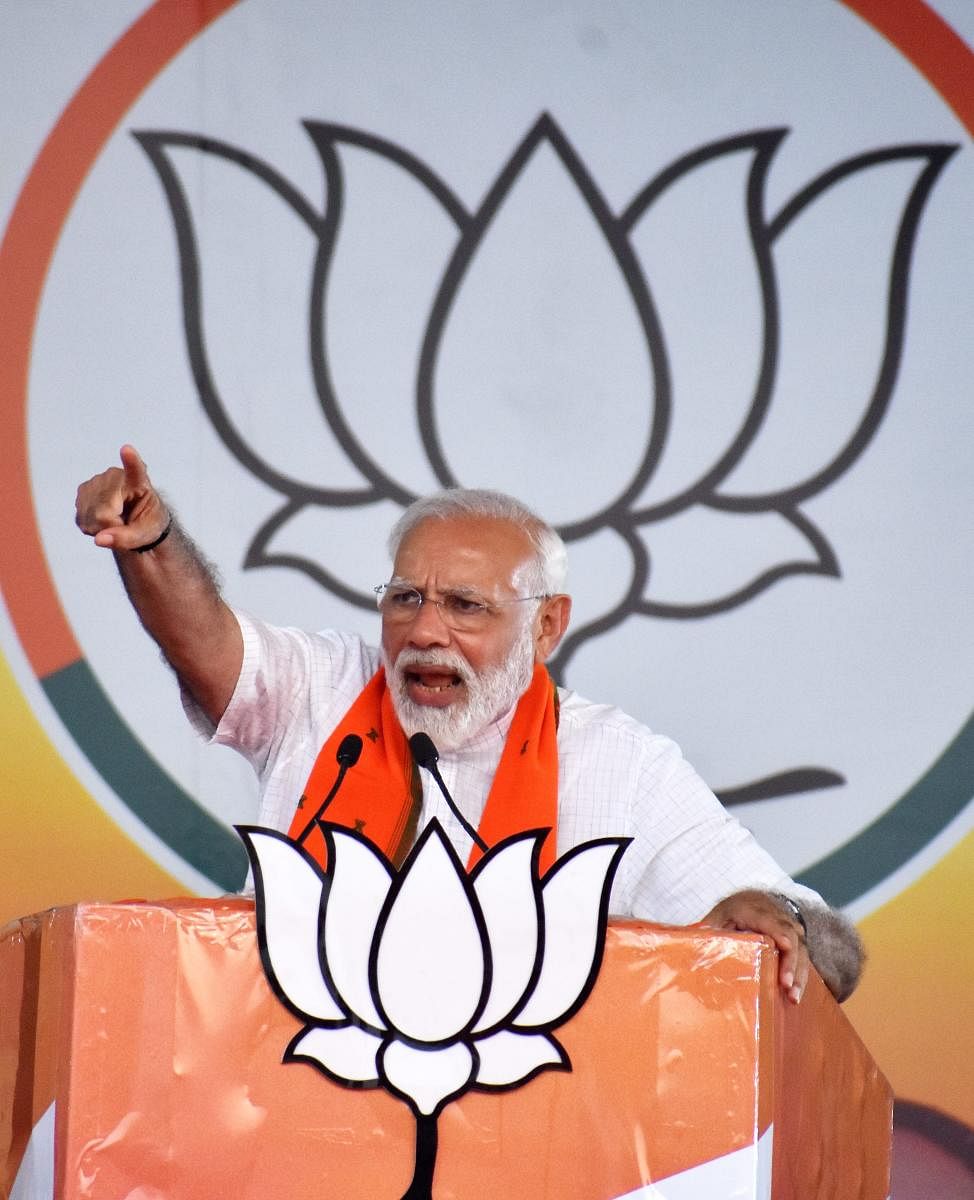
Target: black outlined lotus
[660, 466]
[428, 981]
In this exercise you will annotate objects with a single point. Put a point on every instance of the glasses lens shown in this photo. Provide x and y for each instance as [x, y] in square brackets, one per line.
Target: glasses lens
[400, 603]
[464, 612]
[458, 611]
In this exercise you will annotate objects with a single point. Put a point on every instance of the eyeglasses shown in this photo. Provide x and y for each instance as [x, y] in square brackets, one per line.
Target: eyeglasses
[463, 611]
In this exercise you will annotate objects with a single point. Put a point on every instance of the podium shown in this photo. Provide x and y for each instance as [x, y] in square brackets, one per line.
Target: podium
[141, 1059]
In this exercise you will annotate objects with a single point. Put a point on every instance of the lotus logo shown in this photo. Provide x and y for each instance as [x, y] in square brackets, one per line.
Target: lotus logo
[429, 981]
[688, 470]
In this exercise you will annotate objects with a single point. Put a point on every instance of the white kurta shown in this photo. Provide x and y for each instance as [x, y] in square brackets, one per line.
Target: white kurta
[615, 776]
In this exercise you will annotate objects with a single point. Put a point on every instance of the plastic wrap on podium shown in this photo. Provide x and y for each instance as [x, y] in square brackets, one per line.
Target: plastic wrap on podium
[142, 1045]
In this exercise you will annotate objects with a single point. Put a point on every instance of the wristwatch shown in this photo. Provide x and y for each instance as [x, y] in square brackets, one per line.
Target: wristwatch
[794, 911]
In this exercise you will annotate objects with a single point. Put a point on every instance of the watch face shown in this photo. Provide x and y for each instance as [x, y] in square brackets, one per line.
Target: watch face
[793, 909]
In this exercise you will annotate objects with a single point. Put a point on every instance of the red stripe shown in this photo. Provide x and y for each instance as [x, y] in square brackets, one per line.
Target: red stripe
[935, 49]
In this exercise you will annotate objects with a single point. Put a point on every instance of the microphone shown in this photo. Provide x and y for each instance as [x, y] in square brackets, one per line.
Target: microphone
[349, 749]
[426, 755]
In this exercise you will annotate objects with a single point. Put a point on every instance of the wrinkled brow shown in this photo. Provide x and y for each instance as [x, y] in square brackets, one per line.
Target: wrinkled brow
[457, 590]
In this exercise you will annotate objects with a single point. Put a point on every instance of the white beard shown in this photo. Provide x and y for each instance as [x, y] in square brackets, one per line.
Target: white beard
[486, 696]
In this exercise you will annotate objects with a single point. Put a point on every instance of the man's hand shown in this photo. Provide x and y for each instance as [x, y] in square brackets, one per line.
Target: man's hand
[120, 508]
[173, 590]
[759, 912]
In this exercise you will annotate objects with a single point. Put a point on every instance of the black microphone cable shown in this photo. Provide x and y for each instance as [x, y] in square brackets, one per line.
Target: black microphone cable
[349, 749]
[426, 755]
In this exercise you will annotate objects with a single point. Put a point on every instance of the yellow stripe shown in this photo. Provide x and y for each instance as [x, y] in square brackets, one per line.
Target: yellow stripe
[913, 1007]
[57, 846]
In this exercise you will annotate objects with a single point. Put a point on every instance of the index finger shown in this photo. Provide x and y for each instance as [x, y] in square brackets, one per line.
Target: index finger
[136, 474]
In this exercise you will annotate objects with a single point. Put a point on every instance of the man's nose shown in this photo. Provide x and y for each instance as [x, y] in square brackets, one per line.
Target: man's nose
[428, 627]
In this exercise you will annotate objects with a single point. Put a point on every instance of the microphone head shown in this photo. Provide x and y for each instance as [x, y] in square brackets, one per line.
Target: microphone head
[349, 749]
[425, 754]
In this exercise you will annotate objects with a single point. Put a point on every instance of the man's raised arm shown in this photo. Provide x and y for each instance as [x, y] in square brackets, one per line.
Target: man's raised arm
[170, 585]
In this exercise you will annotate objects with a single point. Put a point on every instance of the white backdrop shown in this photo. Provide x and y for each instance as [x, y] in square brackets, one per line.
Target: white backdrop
[541, 378]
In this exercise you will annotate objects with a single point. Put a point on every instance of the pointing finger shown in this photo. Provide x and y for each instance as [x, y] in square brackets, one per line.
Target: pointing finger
[136, 474]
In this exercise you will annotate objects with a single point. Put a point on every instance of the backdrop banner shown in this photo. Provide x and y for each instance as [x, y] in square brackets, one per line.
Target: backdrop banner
[692, 280]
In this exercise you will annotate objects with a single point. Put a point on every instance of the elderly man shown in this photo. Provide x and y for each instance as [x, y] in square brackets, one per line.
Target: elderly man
[473, 609]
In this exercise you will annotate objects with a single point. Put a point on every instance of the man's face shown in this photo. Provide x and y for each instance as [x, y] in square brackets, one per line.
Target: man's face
[451, 682]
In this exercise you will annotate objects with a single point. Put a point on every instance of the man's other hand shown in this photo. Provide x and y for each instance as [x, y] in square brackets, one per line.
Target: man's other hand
[759, 912]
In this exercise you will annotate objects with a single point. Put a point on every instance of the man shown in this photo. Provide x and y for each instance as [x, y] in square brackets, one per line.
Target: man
[473, 608]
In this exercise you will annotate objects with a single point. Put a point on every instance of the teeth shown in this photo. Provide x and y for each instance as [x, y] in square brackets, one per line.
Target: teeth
[436, 684]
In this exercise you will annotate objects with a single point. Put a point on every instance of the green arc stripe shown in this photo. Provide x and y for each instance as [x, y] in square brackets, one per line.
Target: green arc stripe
[138, 780]
[903, 830]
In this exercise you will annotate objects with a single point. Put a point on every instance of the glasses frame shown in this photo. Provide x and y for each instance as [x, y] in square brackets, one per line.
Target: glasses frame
[478, 619]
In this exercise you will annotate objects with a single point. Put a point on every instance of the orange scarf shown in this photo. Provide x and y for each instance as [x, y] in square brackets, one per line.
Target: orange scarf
[382, 794]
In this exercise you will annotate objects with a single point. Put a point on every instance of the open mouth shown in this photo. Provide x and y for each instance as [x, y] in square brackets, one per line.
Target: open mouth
[431, 685]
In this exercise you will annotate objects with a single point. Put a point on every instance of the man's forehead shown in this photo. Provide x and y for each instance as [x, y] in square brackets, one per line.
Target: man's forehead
[492, 547]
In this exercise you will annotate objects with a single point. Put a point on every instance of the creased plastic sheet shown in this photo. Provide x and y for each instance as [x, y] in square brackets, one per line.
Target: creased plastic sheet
[153, 1027]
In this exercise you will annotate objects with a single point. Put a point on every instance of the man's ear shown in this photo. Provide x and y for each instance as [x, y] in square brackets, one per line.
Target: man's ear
[550, 624]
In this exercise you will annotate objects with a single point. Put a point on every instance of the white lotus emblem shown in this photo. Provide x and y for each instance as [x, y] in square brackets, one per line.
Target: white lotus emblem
[428, 981]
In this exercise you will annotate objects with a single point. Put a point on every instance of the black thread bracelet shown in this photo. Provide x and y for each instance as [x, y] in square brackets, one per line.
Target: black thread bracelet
[159, 540]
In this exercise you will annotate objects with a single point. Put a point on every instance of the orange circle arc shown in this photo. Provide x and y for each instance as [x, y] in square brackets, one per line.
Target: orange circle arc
[28, 247]
[59, 173]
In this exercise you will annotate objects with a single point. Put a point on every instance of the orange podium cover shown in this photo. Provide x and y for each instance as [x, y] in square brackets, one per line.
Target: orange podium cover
[142, 1047]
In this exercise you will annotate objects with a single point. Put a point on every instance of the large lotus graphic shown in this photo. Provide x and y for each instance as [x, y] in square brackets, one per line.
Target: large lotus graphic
[428, 981]
[394, 373]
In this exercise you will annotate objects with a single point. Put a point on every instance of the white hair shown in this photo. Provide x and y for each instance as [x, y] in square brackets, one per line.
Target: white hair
[545, 576]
